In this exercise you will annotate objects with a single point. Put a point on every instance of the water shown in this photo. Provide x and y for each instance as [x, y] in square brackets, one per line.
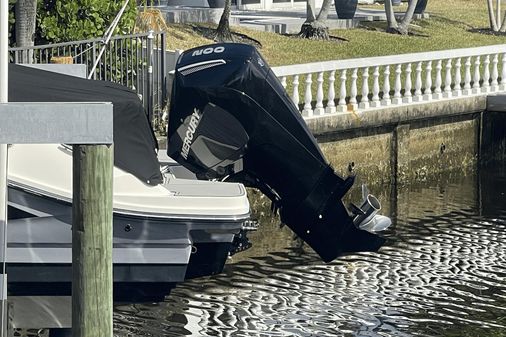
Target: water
[441, 273]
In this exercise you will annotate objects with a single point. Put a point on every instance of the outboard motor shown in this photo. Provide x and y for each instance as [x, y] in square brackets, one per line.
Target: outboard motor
[231, 119]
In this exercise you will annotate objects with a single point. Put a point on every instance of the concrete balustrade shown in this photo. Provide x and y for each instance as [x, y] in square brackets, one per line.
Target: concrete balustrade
[330, 87]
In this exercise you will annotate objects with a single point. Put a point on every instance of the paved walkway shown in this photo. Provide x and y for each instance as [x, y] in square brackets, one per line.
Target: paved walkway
[289, 21]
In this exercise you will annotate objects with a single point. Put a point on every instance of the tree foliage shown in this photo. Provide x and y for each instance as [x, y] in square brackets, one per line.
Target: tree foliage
[69, 20]
[12, 20]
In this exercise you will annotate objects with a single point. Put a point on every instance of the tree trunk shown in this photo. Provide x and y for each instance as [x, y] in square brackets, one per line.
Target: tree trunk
[408, 16]
[223, 33]
[498, 10]
[314, 30]
[25, 26]
[315, 27]
[503, 25]
[324, 11]
[393, 26]
[491, 16]
[310, 11]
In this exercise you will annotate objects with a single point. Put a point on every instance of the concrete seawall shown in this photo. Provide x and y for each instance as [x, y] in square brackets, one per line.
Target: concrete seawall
[399, 144]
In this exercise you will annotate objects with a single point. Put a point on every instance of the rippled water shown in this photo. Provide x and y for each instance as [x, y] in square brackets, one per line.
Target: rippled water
[441, 273]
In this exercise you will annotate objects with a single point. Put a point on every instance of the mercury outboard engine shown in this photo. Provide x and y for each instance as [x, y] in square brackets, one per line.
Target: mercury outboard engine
[231, 119]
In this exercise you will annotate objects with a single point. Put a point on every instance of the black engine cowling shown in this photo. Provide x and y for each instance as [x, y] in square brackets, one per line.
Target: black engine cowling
[231, 119]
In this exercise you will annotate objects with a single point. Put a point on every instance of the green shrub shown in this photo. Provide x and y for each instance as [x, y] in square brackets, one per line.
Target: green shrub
[70, 20]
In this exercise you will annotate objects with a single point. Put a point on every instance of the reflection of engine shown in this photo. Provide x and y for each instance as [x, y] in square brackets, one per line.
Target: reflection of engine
[231, 119]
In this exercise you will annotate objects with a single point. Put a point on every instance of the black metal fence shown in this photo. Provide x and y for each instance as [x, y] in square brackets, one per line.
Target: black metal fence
[136, 61]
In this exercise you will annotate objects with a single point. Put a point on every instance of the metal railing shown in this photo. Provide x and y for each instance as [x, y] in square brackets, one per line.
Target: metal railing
[136, 61]
[323, 88]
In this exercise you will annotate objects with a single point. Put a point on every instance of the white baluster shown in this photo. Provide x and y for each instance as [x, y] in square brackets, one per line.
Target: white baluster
[283, 82]
[319, 110]
[331, 105]
[427, 93]
[353, 90]
[467, 77]
[375, 88]
[418, 83]
[341, 105]
[476, 78]
[448, 79]
[494, 85]
[502, 85]
[295, 92]
[398, 86]
[457, 88]
[486, 75]
[408, 97]
[437, 85]
[308, 97]
[386, 87]
[364, 102]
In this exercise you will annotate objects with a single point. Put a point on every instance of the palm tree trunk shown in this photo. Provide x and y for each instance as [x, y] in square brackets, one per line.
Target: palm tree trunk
[491, 16]
[503, 25]
[408, 17]
[324, 11]
[223, 33]
[315, 27]
[25, 26]
[393, 26]
[310, 11]
[498, 11]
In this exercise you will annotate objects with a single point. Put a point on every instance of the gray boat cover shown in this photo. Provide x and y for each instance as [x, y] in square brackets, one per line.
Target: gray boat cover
[135, 144]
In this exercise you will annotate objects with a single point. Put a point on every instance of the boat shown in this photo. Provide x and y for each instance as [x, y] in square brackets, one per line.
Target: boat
[167, 225]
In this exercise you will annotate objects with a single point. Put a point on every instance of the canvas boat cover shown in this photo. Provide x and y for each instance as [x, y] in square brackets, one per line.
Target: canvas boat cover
[135, 144]
[231, 119]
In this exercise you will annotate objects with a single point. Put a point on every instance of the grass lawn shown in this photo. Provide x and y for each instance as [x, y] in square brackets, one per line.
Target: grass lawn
[452, 24]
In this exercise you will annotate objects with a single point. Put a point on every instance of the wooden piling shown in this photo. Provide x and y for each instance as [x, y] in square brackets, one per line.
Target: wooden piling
[92, 241]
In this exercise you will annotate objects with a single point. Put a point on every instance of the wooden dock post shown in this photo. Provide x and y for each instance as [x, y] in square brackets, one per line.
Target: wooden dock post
[92, 241]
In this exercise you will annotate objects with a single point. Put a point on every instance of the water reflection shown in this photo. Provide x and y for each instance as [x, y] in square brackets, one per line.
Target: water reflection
[441, 273]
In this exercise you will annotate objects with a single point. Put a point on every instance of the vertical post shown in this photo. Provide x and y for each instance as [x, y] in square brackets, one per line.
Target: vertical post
[437, 86]
[341, 104]
[331, 105]
[92, 241]
[398, 86]
[467, 77]
[458, 78]
[319, 110]
[364, 102]
[427, 93]
[308, 97]
[295, 92]
[495, 74]
[408, 97]
[477, 76]
[4, 67]
[418, 83]
[353, 91]
[375, 88]
[149, 86]
[386, 87]
[164, 72]
[486, 75]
